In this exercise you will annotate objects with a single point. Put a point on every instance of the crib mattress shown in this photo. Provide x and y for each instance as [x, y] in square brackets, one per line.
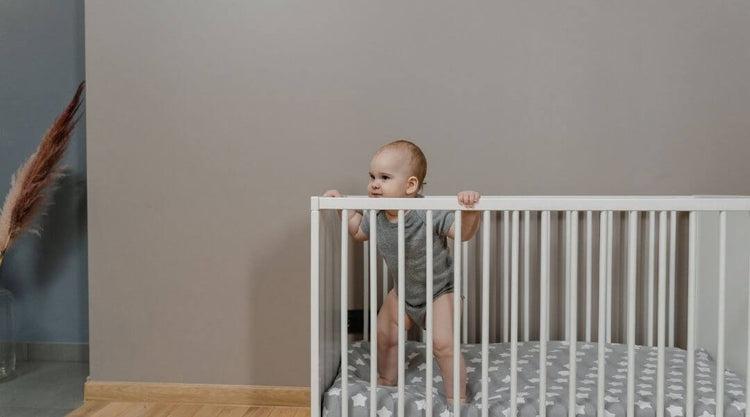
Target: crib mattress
[528, 383]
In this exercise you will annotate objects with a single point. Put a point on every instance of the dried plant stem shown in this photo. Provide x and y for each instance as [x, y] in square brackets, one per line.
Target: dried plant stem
[2, 254]
[33, 180]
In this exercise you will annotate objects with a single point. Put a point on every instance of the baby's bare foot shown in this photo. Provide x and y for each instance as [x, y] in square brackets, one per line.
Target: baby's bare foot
[387, 382]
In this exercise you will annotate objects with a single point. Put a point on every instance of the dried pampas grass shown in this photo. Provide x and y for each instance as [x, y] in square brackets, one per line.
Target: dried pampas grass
[30, 185]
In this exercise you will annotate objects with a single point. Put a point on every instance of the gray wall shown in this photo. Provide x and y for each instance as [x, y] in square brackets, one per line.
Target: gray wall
[212, 124]
[42, 62]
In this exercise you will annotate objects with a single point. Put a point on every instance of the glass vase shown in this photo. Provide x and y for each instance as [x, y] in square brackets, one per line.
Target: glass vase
[7, 339]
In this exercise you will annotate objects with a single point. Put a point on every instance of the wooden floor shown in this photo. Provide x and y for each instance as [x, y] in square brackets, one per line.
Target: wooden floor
[129, 409]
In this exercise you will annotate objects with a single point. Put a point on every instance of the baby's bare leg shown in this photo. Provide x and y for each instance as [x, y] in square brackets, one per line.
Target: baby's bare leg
[388, 340]
[442, 337]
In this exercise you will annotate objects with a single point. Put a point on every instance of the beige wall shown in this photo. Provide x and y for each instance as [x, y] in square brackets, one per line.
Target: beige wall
[211, 123]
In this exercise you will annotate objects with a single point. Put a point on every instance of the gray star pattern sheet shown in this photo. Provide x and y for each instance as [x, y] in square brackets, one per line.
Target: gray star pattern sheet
[615, 395]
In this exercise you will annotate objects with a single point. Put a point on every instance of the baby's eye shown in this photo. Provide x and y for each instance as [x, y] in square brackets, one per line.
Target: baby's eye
[371, 177]
[384, 177]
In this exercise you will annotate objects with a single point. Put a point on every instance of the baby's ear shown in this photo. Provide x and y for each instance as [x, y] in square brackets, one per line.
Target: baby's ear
[412, 185]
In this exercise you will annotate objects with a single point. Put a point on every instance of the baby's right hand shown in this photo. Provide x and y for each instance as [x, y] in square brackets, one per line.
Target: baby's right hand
[332, 193]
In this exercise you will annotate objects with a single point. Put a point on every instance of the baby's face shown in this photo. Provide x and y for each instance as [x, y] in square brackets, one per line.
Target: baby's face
[389, 174]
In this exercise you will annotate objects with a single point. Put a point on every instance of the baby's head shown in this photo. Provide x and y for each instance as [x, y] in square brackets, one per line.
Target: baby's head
[397, 170]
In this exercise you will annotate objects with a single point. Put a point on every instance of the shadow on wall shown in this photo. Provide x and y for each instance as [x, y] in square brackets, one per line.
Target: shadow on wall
[38, 260]
[64, 225]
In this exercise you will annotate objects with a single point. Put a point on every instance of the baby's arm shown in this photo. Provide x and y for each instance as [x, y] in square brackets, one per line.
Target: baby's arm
[469, 219]
[355, 219]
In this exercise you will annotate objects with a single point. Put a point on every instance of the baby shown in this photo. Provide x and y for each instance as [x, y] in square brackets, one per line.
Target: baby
[397, 171]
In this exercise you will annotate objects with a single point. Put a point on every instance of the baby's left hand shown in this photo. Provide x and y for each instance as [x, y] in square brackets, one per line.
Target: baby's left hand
[468, 198]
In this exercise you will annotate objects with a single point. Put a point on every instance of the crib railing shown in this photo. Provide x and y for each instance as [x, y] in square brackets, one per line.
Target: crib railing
[661, 268]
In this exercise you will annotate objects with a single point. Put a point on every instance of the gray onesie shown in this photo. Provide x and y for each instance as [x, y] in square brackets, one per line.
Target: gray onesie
[415, 240]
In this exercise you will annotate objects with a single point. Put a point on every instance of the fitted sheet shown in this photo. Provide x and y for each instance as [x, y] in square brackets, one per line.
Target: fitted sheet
[528, 383]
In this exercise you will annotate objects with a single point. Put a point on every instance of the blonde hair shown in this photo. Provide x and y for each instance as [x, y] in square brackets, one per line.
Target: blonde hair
[417, 160]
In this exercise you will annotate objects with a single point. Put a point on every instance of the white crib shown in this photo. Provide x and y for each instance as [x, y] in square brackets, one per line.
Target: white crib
[554, 251]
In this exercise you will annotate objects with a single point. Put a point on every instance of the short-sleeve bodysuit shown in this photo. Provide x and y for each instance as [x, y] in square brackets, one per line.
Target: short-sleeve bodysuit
[415, 239]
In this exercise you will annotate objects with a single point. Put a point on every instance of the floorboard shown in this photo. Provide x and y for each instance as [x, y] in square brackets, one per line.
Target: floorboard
[137, 409]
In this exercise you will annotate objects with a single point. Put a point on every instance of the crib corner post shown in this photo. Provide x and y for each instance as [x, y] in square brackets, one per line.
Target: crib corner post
[314, 309]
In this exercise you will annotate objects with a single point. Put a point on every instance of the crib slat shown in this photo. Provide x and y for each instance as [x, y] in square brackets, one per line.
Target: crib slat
[456, 315]
[514, 319]
[747, 372]
[650, 309]
[610, 237]
[632, 246]
[544, 326]
[691, 318]
[401, 313]
[465, 286]
[601, 324]
[526, 277]
[722, 300]
[672, 252]
[661, 307]
[485, 310]
[567, 273]
[344, 312]
[373, 313]
[314, 313]
[366, 287]
[549, 276]
[589, 243]
[506, 276]
[428, 318]
[573, 298]
[495, 279]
